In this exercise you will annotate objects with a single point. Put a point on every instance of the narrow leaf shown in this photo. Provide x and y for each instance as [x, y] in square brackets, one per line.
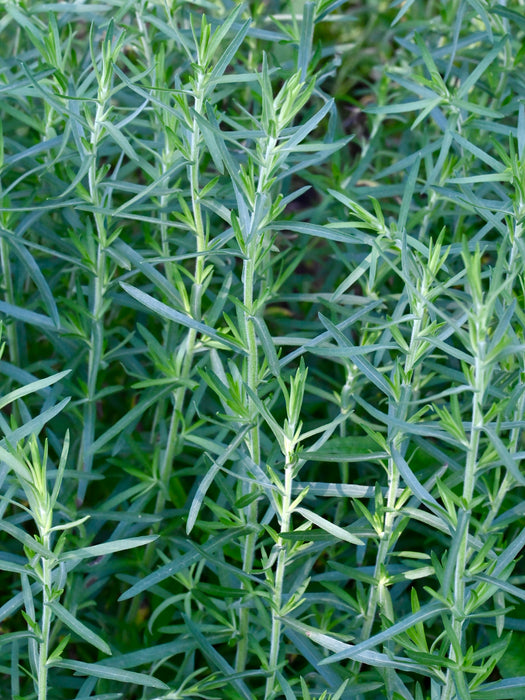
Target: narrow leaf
[305, 40]
[267, 344]
[26, 316]
[208, 478]
[506, 457]
[172, 315]
[100, 550]
[179, 564]
[131, 417]
[508, 689]
[480, 68]
[411, 480]
[228, 54]
[334, 530]
[113, 674]
[32, 388]
[215, 658]
[78, 627]
[425, 613]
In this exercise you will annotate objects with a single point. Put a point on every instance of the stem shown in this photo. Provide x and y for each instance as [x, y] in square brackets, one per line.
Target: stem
[252, 380]
[179, 395]
[252, 373]
[275, 640]
[9, 295]
[384, 546]
[477, 424]
[390, 516]
[98, 290]
[43, 648]
[478, 391]
[197, 291]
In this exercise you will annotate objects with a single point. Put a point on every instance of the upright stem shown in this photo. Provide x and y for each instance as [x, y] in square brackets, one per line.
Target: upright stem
[45, 626]
[384, 547]
[252, 380]
[390, 516]
[9, 295]
[98, 290]
[478, 391]
[275, 638]
[173, 446]
[195, 309]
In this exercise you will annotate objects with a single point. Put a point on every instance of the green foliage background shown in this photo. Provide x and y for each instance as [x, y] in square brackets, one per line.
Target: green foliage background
[263, 380]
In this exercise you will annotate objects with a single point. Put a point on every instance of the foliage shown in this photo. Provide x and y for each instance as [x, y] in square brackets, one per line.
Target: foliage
[263, 374]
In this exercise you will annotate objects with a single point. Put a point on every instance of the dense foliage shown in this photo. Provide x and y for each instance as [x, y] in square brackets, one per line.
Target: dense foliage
[263, 374]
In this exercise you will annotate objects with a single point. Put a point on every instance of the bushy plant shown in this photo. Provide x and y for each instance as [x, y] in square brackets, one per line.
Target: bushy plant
[263, 376]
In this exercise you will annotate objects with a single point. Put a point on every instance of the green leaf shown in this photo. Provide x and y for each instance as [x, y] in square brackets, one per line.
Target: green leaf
[329, 234]
[215, 659]
[506, 457]
[267, 344]
[405, 6]
[357, 448]
[228, 54]
[306, 38]
[172, 315]
[338, 532]
[34, 271]
[371, 658]
[110, 673]
[453, 551]
[209, 477]
[306, 344]
[514, 16]
[480, 68]
[317, 488]
[56, 654]
[101, 550]
[407, 196]
[508, 689]
[78, 627]
[412, 481]
[35, 425]
[31, 317]
[501, 585]
[299, 133]
[129, 419]
[413, 106]
[371, 373]
[181, 563]
[14, 463]
[428, 611]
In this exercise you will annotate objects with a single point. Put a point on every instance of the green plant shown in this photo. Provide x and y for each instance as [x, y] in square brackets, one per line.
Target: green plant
[262, 299]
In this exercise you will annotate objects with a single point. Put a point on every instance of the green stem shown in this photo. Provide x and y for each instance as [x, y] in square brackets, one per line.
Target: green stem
[478, 391]
[45, 627]
[252, 380]
[252, 374]
[9, 295]
[390, 516]
[179, 395]
[384, 547]
[275, 639]
[98, 288]
[197, 291]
